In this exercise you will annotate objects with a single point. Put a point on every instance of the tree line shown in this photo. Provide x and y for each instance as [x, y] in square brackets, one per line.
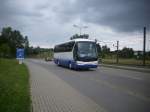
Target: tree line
[11, 39]
[124, 53]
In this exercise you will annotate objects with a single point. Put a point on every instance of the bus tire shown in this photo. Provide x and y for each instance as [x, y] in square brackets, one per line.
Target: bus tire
[58, 63]
[70, 65]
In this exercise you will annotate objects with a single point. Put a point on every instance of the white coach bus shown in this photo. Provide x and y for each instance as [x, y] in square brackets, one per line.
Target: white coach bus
[76, 54]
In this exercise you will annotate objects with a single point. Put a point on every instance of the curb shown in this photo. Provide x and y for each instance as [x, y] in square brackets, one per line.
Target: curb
[127, 68]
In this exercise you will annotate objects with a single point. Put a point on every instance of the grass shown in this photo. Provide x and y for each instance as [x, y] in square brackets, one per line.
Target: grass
[131, 62]
[14, 87]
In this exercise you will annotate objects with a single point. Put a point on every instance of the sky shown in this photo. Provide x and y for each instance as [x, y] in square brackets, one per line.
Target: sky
[49, 22]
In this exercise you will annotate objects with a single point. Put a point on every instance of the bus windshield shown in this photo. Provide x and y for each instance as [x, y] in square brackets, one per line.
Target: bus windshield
[86, 51]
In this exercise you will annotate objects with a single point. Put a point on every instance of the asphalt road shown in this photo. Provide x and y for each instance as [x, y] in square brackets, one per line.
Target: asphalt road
[115, 90]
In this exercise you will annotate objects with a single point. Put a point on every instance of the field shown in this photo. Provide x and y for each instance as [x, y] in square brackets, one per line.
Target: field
[14, 87]
[132, 62]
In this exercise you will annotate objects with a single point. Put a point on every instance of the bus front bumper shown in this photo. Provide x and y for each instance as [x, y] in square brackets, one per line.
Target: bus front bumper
[80, 64]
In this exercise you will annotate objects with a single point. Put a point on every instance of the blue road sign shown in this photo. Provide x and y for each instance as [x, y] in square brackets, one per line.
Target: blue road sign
[20, 53]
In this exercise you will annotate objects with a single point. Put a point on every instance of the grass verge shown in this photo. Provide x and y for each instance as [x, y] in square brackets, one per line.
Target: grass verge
[128, 62]
[14, 87]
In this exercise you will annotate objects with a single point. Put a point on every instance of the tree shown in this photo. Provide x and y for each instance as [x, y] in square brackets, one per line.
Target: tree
[105, 51]
[12, 39]
[16, 40]
[26, 45]
[127, 53]
[5, 35]
[98, 49]
[4, 50]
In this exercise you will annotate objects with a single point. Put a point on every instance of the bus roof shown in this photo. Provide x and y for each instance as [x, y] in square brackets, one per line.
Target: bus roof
[77, 40]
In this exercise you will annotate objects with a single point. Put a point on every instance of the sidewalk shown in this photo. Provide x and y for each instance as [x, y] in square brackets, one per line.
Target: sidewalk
[139, 69]
[52, 94]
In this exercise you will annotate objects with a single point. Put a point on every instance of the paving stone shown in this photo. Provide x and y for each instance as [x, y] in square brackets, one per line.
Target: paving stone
[49, 93]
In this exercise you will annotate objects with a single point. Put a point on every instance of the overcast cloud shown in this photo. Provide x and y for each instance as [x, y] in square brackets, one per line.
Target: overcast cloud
[47, 22]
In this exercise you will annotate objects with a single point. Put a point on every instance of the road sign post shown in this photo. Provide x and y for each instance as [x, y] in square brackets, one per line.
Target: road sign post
[20, 55]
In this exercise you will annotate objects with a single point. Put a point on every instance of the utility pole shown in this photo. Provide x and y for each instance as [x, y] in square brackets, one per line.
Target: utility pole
[144, 45]
[117, 60]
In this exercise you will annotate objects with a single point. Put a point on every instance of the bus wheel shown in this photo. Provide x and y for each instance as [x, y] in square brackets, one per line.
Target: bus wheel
[58, 63]
[70, 65]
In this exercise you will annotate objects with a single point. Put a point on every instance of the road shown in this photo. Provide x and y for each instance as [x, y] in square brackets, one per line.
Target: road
[113, 90]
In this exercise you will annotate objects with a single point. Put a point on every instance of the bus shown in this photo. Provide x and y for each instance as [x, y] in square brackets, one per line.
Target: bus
[77, 54]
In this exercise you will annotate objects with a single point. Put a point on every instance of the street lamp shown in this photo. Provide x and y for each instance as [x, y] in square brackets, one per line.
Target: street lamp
[80, 27]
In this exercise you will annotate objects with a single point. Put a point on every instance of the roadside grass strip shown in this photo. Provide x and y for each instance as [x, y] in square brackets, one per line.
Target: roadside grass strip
[14, 87]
